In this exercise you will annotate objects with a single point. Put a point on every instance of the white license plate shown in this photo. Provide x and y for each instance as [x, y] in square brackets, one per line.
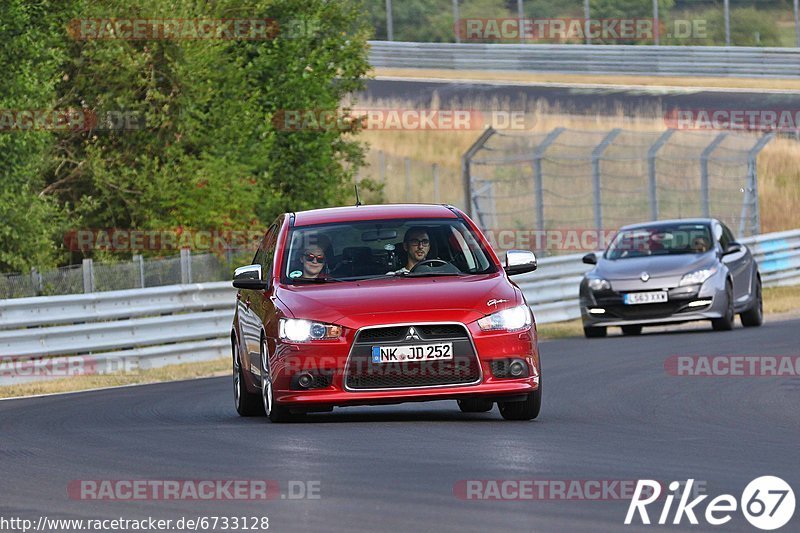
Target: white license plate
[645, 297]
[423, 352]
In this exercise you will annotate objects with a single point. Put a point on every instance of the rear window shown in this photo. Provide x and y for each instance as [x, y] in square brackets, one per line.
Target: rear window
[378, 248]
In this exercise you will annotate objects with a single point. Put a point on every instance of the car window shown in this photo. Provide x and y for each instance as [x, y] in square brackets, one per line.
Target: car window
[663, 239]
[368, 249]
[727, 237]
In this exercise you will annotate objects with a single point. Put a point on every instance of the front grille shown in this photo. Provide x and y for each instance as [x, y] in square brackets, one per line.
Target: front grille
[363, 374]
[656, 310]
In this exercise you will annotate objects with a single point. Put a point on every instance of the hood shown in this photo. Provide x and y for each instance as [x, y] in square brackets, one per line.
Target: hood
[398, 299]
[657, 265]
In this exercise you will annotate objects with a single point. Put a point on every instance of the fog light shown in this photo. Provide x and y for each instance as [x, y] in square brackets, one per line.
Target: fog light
[597, 311]
[516, 369]
[305, 380]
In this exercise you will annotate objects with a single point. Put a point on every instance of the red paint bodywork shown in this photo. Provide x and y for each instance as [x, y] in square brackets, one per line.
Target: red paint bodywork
[389, 301]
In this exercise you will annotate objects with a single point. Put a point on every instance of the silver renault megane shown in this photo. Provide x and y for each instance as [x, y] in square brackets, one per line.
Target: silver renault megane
[669, 272]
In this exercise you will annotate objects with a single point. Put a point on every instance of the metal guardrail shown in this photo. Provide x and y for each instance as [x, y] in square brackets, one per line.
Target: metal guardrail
[191, 323]
[749, 62]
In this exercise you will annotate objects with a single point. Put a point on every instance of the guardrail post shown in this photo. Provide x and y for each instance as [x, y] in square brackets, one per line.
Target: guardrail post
[538, 180]
[138, 260]
[465, 170]
[389, 21]
[88, 276]
[597, 153]
[651, 171]
[186, 266]
[704, 191]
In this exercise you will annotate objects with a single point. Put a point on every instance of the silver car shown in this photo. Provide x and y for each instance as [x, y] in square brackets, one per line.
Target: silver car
[669, 272]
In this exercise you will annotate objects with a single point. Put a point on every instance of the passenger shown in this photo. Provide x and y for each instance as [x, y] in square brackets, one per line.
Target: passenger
[313, 259]
[700, 245]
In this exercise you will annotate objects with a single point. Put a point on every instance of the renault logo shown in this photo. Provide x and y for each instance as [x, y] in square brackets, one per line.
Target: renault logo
[645, 276]
[412, 334]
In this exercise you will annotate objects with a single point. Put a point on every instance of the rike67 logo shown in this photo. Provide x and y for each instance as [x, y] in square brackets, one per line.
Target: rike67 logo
[767, 503]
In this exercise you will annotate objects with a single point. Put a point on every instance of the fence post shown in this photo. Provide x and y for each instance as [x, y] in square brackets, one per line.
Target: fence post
[466, 159]
[652, 152]
[382, 165]
[456, 21]
[88, 276]
[597, 153]
[750, 200]
[389, 21]
[435, 183]
[407, 165]
[538, 180]
[705, 196]
[139, 261]
[36, 282]
[186, 266]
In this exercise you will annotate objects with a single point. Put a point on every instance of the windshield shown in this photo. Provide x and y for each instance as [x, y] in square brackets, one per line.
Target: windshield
[380, 248]
[661, 240]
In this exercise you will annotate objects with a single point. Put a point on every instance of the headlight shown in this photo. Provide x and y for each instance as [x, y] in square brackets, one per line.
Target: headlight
[512, 319]
[599, 284]
[296, 330]
[698, 276]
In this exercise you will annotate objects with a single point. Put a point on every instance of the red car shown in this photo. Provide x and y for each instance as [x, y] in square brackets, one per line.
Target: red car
[384, 304]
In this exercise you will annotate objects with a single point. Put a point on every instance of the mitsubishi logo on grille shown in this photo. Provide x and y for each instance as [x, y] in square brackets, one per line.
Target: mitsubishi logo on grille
[645, 276]
[412, 334]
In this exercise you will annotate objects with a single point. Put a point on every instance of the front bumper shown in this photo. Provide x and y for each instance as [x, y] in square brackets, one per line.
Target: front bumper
[334, 359]
[681, 306]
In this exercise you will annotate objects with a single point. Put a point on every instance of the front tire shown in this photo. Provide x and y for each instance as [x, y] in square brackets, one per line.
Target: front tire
[475, 405]
[247, 403]
[524, 410]
[754, 316]
[594, 332]
[275, 412]
[726, 322]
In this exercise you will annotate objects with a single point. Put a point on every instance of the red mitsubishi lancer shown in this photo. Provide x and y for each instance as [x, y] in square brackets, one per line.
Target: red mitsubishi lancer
[382, 304]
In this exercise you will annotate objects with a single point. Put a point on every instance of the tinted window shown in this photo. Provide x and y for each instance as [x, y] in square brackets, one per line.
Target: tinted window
[369, 249]
[661, 240]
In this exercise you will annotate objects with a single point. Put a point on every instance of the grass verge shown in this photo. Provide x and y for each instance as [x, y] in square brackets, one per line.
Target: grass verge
[777, 300]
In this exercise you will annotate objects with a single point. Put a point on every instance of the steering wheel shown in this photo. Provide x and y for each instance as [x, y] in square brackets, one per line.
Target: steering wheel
[434, 263]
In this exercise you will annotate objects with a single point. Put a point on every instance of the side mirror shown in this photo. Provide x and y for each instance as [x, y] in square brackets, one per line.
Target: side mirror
[519, 262]
[732, 248]
[590, 259]
[249, 277]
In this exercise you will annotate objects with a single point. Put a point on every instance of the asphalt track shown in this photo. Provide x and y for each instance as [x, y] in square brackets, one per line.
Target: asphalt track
[582, 100]
[610, 412]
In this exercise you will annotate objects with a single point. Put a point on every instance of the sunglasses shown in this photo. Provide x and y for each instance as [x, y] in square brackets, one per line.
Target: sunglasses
[311, 258]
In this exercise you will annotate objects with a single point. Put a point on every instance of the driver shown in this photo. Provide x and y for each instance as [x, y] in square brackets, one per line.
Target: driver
[417, 244]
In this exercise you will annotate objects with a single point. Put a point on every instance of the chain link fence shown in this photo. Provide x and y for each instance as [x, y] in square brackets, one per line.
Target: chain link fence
[134, 274]
[606, 179]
